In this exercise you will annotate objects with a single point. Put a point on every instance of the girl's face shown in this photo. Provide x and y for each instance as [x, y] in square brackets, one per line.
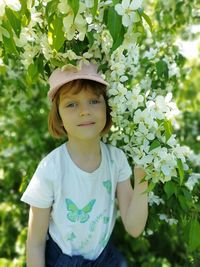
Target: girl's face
[83, 114]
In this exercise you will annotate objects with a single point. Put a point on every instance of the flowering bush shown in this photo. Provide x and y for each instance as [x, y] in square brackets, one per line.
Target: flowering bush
[72, 32]
[143, 70]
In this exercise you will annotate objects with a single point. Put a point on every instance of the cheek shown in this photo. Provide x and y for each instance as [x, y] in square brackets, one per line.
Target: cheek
[103, 115]
[65, 117]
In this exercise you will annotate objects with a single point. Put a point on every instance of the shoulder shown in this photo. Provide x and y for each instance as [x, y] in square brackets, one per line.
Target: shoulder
[52, 158]
[115, 152]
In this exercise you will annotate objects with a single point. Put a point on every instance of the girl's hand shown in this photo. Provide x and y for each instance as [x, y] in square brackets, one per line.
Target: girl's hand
[139, 174]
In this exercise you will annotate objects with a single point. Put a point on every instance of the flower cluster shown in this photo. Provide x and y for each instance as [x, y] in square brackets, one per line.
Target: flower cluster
[58, 33]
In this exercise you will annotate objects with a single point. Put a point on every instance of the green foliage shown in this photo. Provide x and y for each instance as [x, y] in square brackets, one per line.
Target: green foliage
[115, 27]
[54, 31]
[74, 5]
[24, 137]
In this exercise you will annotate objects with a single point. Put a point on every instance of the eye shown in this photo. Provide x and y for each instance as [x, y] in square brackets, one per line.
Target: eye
[71, 105]
[94, 101]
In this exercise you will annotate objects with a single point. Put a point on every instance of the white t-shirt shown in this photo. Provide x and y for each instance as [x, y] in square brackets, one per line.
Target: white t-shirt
[83, 204]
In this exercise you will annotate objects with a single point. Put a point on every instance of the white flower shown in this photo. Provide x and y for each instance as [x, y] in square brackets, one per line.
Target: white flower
[140, 157]
[163, 217]
[71, 25]
[133, 54]
[192, 180]
[126, 10]
[120, 90]
[146, 83]
[171, 221]
[149, 232]
[105, 3]
[194, 158]
[64, 8]
[144, 116]
[36, 17]
[89, 3]
[29, 53]
[12, 4]
[106, 41]
[134, 99]
[172, 140]
[71, 55]
[27, 35]
[163, 107]
[45, 47]
[118, 106]
[164, 162]
[150, 54]
[173, 70]
[152, 198]
[118, 66]
[130, 37]
[144, 133]
[181, 152]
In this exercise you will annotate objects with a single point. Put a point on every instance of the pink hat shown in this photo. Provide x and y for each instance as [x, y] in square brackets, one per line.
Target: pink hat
[60, 77]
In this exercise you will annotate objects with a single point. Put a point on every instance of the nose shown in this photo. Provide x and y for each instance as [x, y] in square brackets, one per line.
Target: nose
[84, 110]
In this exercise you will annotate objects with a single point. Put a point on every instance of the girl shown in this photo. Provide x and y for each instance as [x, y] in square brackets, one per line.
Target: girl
[72, 192]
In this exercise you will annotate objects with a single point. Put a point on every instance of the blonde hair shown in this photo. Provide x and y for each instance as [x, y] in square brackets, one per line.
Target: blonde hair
[55, 125]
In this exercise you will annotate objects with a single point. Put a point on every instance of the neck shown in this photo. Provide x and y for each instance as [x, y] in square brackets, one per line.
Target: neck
[84, 148]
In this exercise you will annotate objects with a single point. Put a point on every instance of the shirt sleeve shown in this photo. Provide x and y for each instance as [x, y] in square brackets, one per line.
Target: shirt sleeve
[39, 192]
[124, 167]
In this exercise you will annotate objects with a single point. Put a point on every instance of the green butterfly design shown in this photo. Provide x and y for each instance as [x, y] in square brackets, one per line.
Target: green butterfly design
[75, 214]
[71, 237]
[107, 184]
[105, 219]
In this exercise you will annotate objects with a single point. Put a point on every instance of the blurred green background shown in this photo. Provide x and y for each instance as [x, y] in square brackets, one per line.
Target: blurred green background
[24, 140]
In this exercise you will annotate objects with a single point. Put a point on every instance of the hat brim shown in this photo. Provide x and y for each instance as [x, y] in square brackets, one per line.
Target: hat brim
[53, 90]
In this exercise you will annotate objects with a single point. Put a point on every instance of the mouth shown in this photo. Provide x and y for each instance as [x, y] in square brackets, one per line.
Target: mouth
[86, 123]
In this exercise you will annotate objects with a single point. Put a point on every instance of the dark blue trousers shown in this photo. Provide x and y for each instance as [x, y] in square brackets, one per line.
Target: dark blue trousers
[110, 257]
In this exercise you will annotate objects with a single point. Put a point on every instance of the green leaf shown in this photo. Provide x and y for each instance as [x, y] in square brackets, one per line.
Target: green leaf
[90, 38]
[14, 20]
[150, 187]
[119, 40]
[194, 234]
[154, 145]
[9, 46]
[25, 13]
[168, 129]
[4, 32]
[32, 73]
[114, 23]
[169, 188]
[115, 27]
[188, 196]
[182, 202]
[94, 8]
[8, 42]
[147, 19]
[57, 32]
[180, 170]
[74, 4]
[51, 8]
[162, 69]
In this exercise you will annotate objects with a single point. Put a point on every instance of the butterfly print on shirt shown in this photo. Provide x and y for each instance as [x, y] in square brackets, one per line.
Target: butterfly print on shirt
[78, 215]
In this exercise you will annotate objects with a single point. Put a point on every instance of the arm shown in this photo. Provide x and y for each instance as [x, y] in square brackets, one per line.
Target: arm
[36, 240]
[133, 203]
